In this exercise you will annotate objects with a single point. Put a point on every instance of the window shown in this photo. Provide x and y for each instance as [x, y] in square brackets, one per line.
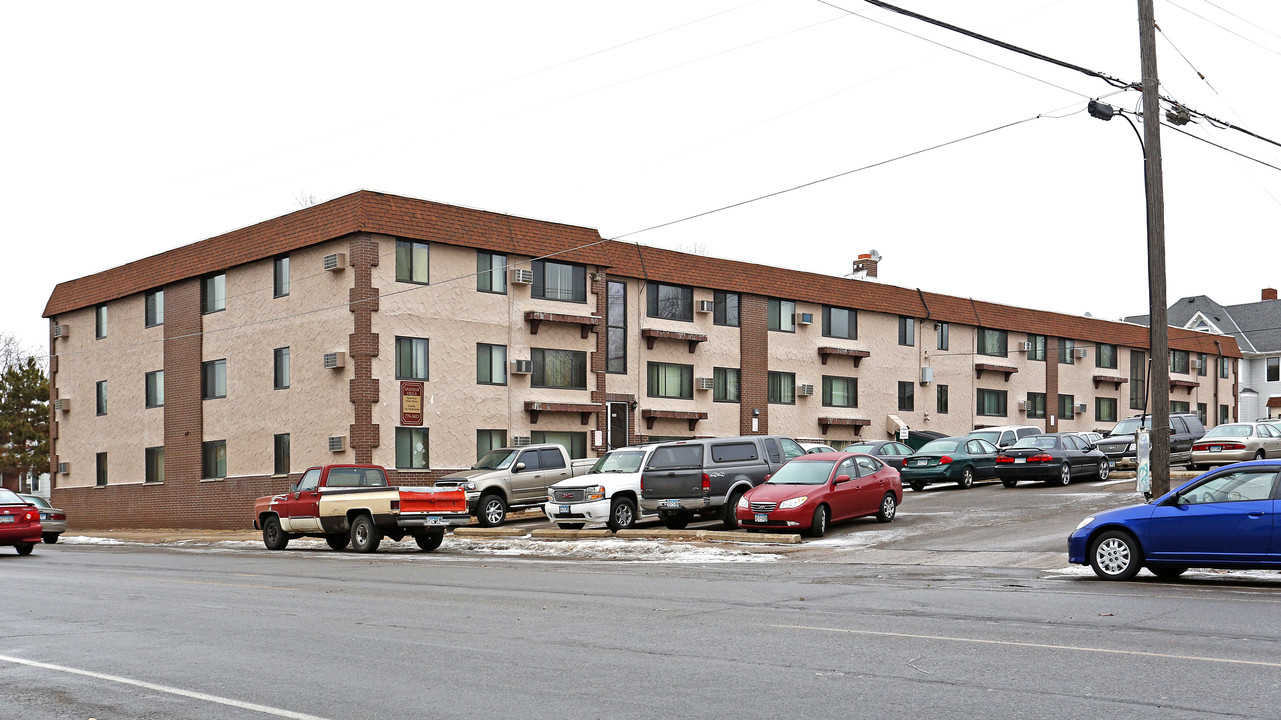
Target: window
[840, 323]
[1105, 355]
[941, 403]
[782, 388]
[491, 364]
[906, 396]
[1225, 368]
[781, 315]
[1138, 380]
[906, 331]
[725, 308]
[487, 440]
[944, 330]
[1105, 409]
[411, 358]
[1036, 347]
[1250, 485]
[840, 391]
[993, 342]
[669, 302]
[1067, 407]
[725, 384]
[154, 389]
[213, 379]
[1179, 361]
[559, 369]
[100, 322]
[991, 403]
[1036, 405]
[154, 464]
[413, 262]
[1223, 414]
[280, 276]
[100, 466]
[559, 281]
[213, 459]
[153, 308]
[1202, 362]
[1067, 349]
[491, 272]
[281, 368]
[1203, 413]
[101, 392]
[734, 452]
[616, 327]
[670, 380]
[213, 293]
[411, 448]
[575, 443]
[1274, 369]
[1180, 406]
[280, 447]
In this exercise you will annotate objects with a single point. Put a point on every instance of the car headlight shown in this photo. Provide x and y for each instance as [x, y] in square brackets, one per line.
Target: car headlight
[468, 486]
[551, 495]
[742, 502]
[595, 492]
[793, 503]
[1085, 522]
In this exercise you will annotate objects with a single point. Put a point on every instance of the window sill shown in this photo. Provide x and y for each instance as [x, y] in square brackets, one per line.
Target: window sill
[153, 482]
[211, 480]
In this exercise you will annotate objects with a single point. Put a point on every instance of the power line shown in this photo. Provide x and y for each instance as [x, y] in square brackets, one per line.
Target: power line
[1242, 19]
[1221, 27]
[1221, 147]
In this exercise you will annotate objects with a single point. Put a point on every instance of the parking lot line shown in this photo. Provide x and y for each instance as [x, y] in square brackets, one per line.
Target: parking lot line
[165, 689]
[1013, 643]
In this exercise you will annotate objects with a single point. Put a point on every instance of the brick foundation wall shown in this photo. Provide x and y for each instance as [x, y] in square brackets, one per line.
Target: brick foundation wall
[754, 363]
[225, 504]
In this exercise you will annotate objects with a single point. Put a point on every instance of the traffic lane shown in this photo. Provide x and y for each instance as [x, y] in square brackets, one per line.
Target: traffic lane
[291, 632]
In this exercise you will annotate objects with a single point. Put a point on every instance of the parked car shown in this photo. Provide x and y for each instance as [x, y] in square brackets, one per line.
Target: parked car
[815, 490]
[708, 476]
[52, 519]
[961, 460]
[1118, 445]
[513, 478]
[1221, 519]
[1003, 436]
[815, 448]
[1236, 442]
[19, 522]
[1089, 436]
[1053, 458]
[890, 452]
[609, 493]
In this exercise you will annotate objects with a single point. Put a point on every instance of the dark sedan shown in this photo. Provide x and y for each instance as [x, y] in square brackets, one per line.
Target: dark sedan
[1053, 458]
[961, 460]
[887, 451]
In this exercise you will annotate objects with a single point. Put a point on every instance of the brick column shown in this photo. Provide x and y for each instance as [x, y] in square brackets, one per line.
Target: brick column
[753, 361]
[1052, 345]
[599, 286]
[184, 413]
[53, 416]
[362, 346]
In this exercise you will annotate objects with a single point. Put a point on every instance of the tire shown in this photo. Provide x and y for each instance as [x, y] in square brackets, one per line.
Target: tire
[1168, 572]
[1065, 476]
[676, 522]
[818, 525]
[728, 516]
[570, 526]
[1115, 555]
[1010, 483]
[917, 486]
[365, 535]
[273, 536]
[50, 538]
[622, 514]
[1196, 468]
[24, 548]
[967, 478]
[889, 508]
[1260, 455]
[491, 510]
[430, 539]
[1105, 470]
[338, 541]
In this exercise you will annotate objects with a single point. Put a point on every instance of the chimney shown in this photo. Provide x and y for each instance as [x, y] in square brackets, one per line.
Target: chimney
[1269, 293]
[865, 265]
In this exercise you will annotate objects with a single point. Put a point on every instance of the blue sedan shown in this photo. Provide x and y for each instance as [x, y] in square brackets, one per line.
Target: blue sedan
[1222, 519]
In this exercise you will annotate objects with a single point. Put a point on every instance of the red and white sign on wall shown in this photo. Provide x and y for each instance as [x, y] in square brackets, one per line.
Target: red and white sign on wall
[411, 402]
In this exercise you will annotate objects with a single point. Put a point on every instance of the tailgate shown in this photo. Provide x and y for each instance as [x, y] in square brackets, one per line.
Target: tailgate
[448, 499]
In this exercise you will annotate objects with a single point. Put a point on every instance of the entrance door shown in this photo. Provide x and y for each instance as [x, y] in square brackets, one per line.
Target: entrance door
[617, 425]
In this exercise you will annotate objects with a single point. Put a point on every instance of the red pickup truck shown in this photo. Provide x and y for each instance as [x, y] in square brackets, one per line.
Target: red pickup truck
[353, 504]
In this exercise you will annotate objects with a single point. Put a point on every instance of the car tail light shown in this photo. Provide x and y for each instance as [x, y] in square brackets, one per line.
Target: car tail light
[1004, 458]
[945, 460]
[32, 516]
[60, 516]
[1234, 446]
[1040, 458]
[707, 483]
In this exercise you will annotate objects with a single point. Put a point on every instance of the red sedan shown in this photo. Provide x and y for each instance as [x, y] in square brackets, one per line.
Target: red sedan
[812, 491]
[19, 522]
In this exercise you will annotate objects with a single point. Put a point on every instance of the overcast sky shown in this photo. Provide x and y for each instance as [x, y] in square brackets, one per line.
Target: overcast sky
[133, 128]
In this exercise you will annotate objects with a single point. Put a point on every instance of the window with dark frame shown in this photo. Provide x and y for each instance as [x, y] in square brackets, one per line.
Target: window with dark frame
[1179, 361]
[725, 308]
[1105, 355]
[213, 379]
[280, 368]
[413, 262]
[1105, 409]
[1274, 369]
[154, 464]
[840, 323]
[575, 443]
[906, 396]
[1067, 407]
[943, 330]
[1202, 361]
[213, 459]
[669, 302]
[213, 293]
[1225, 368]
[100, 469]
[1036, 405]
[1180, 406]
[412, 358]
[840, 391]
[781, 315]
[280, 276]
[100, 322]
[994, 343]
[906, 331]
[154, 389]
[725, 384]
[1203, 413]
[1067, 352]
[1138, 379]
[491, 272]
[941, 404]
[491, 364]
[616, 326]
[487, 440]
[280, 447]
[1036, 345]
[100, 390]
[566, 282]
[566, 369]
[412, 448]
[153, 304]
[670, 380]
[781, 388]
[991, 403]
[1224, 414]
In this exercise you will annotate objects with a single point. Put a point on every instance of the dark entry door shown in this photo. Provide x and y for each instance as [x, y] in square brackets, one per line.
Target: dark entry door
[617, 425]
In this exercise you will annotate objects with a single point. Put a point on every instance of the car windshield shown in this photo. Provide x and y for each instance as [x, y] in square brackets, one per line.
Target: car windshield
[619, 462]
[1230, 431]
[1127, 427]
[9, 497]
[36, 500]
[495, 460]
[1043, 442]
[946, 445]
[798, 472]
[991, 437]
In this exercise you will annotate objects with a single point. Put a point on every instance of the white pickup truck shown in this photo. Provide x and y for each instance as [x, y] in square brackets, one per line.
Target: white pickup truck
[513, 478]
[606, 494]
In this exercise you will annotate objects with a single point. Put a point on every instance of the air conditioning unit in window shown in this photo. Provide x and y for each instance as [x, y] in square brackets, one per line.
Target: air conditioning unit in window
[1025, 347]
[335, 360]
[61, 331]
[805, 390]
[64, 468]
[1079, 352]
[1080, 407]
[704, 306]
[337, 443]
[520, 441]
[335, 262]
[927, 375]
[62, 404]
[522, 276]
[522, 367]
[704, 384]
[1023, 406]
[804, 318]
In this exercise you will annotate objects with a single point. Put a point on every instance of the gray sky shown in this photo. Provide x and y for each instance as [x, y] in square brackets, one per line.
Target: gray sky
[133, 128]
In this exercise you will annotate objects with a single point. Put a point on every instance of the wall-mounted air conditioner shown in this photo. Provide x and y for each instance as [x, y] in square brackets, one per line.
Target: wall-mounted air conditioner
[704, 384]
[1079, 352]
[522, 367]
[522, 276]
[520, 441]
[804, 318]
[805, 390]
[62, 404]
[64, 468]
[704, 306]
[337, 443]
[1025, 347]
[1023, 406]
[1080, 407]
[61, 331]
[335, 360]
[335, 262]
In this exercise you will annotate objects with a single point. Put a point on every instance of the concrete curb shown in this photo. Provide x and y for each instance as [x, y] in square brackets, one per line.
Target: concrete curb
[685, 535]
[1174, 475]
[479, 532]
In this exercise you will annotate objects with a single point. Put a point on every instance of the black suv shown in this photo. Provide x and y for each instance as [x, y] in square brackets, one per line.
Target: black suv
[1118, 445]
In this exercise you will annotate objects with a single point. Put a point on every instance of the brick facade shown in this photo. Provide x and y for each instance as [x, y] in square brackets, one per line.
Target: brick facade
[362, 256]
[753, 318]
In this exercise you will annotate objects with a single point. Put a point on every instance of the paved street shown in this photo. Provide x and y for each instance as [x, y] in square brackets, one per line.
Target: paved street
[850, 625]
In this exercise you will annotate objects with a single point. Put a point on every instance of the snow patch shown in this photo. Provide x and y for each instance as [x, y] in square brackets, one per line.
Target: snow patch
[860, 540]
[613, 549]
[90, 540]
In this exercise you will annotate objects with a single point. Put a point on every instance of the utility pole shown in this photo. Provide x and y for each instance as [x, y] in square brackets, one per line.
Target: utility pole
[1158, 338]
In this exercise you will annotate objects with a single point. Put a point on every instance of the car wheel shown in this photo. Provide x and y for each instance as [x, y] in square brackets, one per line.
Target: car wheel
[1168, 572]
[889, 507]
[1260, 455]
[50, 538]
[1010, 483]
[1115, 555]
[818, 525]
[917, 485]
[622, 514]
[967, 478]
[429, 540]
[365, 535]
[24, 548]
[1105, 469]
[338, 541]
[273, 536]
[728, 517]
[676, 521]
[491, 511]
[1065, 475]
[1195, 468]
[570, 526]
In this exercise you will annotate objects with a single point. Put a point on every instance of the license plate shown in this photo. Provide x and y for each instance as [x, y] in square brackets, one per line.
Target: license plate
[1019, 461]
[6, 518]
[435, 521]
[922, 463]
[564, 509]
[1216, 448]
[1111, 464]
[762, 517]
[671, 503]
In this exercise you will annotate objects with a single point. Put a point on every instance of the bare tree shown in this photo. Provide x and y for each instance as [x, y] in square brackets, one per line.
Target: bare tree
[305, 199]
[693, 248]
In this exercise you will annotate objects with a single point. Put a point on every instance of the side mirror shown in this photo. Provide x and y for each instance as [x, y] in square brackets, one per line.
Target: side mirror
[1089, 447]
[1171, 431]
[840, 479]
[519, 466]
[293, 488]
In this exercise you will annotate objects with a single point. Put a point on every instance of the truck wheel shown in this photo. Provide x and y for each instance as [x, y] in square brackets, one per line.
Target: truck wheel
[365, 535]
[338, 541]
[622, 514]
[430, 540]
[676, 521]
[491, 511]
[273, 536]
[50, 538]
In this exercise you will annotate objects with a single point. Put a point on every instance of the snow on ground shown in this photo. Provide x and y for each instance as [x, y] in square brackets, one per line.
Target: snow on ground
[860, 540]
[1237, 575]
[87, 540]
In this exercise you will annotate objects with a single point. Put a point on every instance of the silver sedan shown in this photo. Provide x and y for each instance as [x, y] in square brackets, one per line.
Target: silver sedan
[52, 520]
[1236, 442]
